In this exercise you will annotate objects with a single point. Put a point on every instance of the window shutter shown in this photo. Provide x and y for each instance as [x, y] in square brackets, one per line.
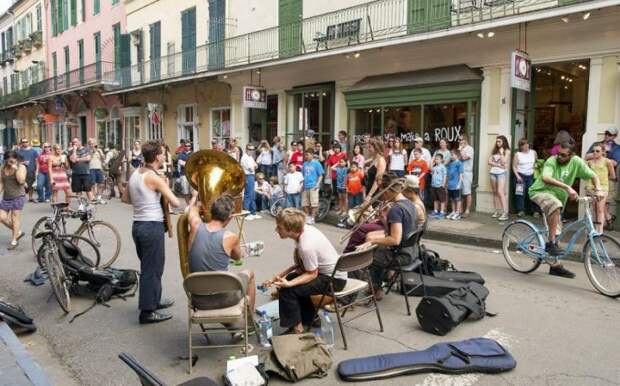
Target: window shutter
[96, 7]
[73, 12]
[53, 17]
[125, 59]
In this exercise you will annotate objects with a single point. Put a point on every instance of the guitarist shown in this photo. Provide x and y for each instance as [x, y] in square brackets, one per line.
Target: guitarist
[145, 191]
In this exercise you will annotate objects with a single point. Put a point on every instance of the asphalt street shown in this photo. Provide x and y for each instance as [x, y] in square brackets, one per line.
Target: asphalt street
[561, 332]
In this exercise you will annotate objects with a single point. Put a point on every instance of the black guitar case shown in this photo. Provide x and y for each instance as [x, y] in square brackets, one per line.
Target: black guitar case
[441, 283]
[16, 317]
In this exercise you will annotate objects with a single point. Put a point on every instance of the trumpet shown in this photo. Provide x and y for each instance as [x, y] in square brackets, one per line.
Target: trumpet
[368, 212]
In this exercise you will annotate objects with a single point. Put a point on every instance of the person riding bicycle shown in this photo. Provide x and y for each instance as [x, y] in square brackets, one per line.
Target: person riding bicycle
[554, 187]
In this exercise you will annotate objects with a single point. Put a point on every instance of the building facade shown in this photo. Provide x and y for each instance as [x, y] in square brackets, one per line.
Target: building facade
[8, 133]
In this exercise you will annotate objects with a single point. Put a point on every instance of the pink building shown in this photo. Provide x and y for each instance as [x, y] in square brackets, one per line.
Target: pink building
[82, 45]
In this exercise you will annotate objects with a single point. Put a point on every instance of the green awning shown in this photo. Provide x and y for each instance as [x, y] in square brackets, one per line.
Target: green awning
[438, 85]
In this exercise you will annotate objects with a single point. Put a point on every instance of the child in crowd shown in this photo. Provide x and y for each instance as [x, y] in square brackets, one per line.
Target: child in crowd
[418, 167]
[293, 184]
[455, 178]
[341, 175]
[263, 192]
[358, 157]
[276, 190]
[354, 183]
[438, 187]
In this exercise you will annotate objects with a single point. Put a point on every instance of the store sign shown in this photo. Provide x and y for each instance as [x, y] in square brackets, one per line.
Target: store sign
[450, 133]
[254, 97]
[521, 71]
[154, 113]
[18, 123]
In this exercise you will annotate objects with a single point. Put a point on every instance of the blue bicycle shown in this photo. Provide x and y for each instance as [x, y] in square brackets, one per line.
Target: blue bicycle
[523, 244]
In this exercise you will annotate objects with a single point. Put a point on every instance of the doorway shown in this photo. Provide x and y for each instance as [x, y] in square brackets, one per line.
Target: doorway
[83, 128]
[555, 107]
[264, 122]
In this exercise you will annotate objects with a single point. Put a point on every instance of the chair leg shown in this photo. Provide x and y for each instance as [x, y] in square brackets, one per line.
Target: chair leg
[374, 301]
[392, 281]
[189, 338]
[245, 336]
[344, 338]
[405, 294]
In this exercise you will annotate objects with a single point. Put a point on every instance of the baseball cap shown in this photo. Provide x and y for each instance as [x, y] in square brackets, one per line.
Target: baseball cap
[418, 139]
[412, 182]
[35, 142]
[612, 131]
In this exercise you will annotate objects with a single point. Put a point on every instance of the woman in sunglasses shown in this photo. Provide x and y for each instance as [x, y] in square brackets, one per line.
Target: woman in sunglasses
[13, 177]
[604, 169]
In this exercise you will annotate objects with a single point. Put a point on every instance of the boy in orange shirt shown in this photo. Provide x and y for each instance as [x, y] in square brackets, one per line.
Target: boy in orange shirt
[418, 167]
[354, 183]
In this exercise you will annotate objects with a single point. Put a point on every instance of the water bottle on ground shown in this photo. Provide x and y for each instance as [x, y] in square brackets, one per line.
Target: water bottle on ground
[327, 330]
[265, 329]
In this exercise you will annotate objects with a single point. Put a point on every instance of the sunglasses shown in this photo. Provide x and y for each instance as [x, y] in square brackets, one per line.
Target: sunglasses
[564, 155]
[598, 151]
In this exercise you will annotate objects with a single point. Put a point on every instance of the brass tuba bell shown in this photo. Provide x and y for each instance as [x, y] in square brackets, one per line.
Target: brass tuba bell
[212, 173]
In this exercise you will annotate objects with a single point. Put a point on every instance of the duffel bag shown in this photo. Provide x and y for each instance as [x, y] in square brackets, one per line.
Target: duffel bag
[460, 276]
[441, 314]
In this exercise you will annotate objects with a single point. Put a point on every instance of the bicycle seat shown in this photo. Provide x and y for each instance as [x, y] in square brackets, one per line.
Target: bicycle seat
[43, 234]
[60, 205]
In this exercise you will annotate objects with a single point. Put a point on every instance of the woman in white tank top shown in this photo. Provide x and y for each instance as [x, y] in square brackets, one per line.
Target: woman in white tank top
[397, 158]
[523, 169]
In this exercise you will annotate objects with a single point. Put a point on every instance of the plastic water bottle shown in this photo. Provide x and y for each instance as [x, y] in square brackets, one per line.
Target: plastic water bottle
[265, 329]
[327, 330]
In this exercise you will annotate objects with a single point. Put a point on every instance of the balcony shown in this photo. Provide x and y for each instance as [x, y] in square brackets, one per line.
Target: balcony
[27, 45]
[37, 38]
[90, 76]
[17, 50]
[3, 59]
[375, 21]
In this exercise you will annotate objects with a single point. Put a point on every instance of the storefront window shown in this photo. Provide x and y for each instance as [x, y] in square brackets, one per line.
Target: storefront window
[188, 124]
[220, 125]
[444, 121]
[403, 122]
[264, 122]
[154, 119]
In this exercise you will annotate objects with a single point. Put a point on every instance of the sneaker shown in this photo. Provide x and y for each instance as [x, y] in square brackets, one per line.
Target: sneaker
[503, 217]
[433, 214]
[561, 271]
[249, 217]
[309, 220]
[553, 249]
[521, 214]
[256, 217]
[465, 214]
[495, 214]
[456, 217]
[440, 216]
[449, 217]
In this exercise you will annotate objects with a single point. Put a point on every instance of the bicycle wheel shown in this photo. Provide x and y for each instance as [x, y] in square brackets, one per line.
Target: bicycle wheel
[324, 206]
[602, 262]
[38, 227]
[518, 239]
[105, 237]
[277, 206]
[57, 278]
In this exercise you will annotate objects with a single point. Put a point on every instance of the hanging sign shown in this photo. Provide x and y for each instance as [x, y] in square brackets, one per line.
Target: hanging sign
[521, 71]
[254, 97]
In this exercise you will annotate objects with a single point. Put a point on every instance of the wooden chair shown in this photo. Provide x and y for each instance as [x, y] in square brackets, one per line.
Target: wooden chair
[210, 283]
[349, 262]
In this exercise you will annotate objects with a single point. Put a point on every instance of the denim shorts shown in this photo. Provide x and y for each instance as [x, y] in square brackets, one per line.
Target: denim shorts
[498, 176]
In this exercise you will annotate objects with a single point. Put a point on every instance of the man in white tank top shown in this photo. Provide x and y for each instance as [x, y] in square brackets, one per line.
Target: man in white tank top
[144, 193]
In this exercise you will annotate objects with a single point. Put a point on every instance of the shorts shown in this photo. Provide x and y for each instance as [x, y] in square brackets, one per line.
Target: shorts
[454, 194]
[439, 194]
[81, 183]
[10, 204]
[547, 202]
[468, 179]
[310, 198]
[342, 190]
[497, 176]
[355, 199]
[30, 179]
[96, 176]
[222, 299]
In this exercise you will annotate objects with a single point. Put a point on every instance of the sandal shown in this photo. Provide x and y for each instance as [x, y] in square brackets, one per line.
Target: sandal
[13, 245]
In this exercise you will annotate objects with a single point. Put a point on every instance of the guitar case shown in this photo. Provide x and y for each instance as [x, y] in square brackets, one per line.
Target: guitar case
[441, 283]
[16, 317]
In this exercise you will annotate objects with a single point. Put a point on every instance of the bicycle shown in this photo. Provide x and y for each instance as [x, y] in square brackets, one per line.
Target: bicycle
[103, 234]
[523, 246]
[324, 206]
[53, 262]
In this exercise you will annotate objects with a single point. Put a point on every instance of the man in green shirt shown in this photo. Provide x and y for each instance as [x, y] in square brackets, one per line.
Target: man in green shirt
[553, 189]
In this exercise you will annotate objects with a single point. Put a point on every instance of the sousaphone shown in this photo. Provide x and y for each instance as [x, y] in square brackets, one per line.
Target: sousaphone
[211, 173]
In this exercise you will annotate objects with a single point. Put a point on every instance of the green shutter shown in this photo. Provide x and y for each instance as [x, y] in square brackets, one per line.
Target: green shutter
[428, 15]
[97, 37]
[96, 7]
[59, 15]
[155, 50]
[290, 13]
[53, 17]
[81, 59]
[116, 28]
[188, 40]
[83, 15]
[217, 31]
[65, 15]
[73, 12]
[125, 59]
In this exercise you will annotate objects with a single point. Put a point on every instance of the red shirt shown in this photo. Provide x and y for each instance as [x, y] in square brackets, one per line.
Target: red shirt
[419, 168]
[355, 182]
[42, 161]
[332, 161]
[297, 158]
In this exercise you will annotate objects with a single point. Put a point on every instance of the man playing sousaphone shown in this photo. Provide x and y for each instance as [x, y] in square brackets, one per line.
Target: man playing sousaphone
[315, 261]
[211, 247]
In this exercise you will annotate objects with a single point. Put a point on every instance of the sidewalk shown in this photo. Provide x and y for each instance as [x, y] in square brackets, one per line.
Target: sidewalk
[16, 366]
[478, 229]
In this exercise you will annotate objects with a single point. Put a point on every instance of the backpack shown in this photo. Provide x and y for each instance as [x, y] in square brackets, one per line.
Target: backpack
[431, 262]
[441, 314]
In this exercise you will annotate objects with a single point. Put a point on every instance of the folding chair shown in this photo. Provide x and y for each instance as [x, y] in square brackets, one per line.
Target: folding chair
[211, 283]
[349, 262]
[400, 271]
[147, 378]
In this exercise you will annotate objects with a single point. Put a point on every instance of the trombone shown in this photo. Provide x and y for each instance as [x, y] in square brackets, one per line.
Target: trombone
[366, 213]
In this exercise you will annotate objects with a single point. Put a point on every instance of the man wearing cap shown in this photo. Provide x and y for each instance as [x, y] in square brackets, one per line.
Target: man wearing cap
[610, 146]
[28, 157]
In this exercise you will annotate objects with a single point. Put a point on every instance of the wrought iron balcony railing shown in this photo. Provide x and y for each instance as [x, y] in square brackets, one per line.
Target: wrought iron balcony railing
[374, 21]
[84, 77]
[37, 38]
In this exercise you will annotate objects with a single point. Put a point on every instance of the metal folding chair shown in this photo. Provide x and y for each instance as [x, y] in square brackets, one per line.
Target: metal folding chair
[349, 262]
